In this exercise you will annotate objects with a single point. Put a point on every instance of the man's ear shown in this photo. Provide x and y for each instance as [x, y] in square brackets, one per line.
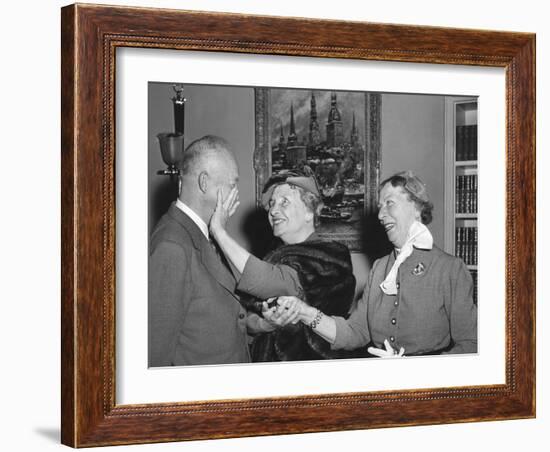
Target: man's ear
[203, 181]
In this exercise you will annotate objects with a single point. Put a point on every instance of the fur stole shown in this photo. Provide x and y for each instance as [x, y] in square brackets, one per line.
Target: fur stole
[326, 277]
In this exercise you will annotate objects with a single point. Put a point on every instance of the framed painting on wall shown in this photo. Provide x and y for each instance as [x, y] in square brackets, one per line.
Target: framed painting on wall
[337, 136]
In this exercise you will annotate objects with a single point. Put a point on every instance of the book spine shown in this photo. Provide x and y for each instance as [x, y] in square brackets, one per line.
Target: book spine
[468, 194]
[474, 280]
[469, 241]
[474, 142]
[475, 194]
[458, 194]
[467, 143]
[462, 192]
[457, 244]
[475, 246]
[463, 244]
[472, 247]
[457, 241]
[459, 143]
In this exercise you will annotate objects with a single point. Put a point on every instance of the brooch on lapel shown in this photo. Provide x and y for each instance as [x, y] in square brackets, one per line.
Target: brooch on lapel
[418, 269]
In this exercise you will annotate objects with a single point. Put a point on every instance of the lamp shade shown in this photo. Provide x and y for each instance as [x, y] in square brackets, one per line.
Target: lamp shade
[171, 147]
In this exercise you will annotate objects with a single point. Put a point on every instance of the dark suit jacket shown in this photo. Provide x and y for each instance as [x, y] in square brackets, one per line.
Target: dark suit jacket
[194, 315]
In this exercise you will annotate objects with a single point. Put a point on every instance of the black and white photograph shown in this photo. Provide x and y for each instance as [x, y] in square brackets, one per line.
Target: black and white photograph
[292, 224]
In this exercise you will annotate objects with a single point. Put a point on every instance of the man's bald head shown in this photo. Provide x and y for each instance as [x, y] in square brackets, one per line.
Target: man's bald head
[207, 166]
[203, 153]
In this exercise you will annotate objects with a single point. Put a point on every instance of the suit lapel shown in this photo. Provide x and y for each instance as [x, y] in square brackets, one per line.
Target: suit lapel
[208, 255]
[213, 263]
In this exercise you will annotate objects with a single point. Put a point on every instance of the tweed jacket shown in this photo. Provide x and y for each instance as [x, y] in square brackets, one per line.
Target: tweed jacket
[194, 315]
[432, 311]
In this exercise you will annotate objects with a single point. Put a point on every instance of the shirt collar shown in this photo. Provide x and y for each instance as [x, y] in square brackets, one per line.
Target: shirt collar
[196, 219]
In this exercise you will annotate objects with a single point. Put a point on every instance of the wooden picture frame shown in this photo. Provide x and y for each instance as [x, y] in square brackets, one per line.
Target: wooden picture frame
[90, 37]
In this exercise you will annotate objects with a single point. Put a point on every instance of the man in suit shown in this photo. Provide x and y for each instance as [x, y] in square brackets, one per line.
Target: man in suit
[194, 315]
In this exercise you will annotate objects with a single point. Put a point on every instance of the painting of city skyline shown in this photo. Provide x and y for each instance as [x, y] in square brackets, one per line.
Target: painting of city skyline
[350, 106]
[334, 133]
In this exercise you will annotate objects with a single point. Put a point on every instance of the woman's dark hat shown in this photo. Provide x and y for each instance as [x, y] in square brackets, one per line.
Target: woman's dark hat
[304, 179]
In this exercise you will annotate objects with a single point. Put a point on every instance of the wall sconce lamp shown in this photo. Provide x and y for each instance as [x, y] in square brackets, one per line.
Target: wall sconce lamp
[171, 143]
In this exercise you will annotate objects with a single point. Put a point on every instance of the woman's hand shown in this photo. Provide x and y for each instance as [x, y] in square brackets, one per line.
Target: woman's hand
[293, 310]
[225, 208]
[298, 309]
[287, 310]
[389, 352]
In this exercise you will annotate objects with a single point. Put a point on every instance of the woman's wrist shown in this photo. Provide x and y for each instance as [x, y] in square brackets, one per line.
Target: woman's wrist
[308, 314]
[218, 232]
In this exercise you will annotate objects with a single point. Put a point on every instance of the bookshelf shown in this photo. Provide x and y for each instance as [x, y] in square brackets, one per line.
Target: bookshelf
[461, 182]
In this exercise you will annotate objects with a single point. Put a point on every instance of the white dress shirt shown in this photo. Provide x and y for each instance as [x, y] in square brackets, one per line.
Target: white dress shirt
[196, 219]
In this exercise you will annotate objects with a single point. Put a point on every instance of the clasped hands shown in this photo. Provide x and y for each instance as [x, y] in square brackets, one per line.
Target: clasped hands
[280, 311]
[283, 310]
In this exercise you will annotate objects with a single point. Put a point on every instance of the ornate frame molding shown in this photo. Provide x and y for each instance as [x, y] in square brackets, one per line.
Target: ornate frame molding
[90, 37]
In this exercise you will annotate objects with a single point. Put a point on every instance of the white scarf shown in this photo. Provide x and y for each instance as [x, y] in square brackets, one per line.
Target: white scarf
[419, 236]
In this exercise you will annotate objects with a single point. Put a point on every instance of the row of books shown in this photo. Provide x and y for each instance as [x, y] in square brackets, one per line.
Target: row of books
[466, 193]
[466, 244]
[474, 277]
[466, 143]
